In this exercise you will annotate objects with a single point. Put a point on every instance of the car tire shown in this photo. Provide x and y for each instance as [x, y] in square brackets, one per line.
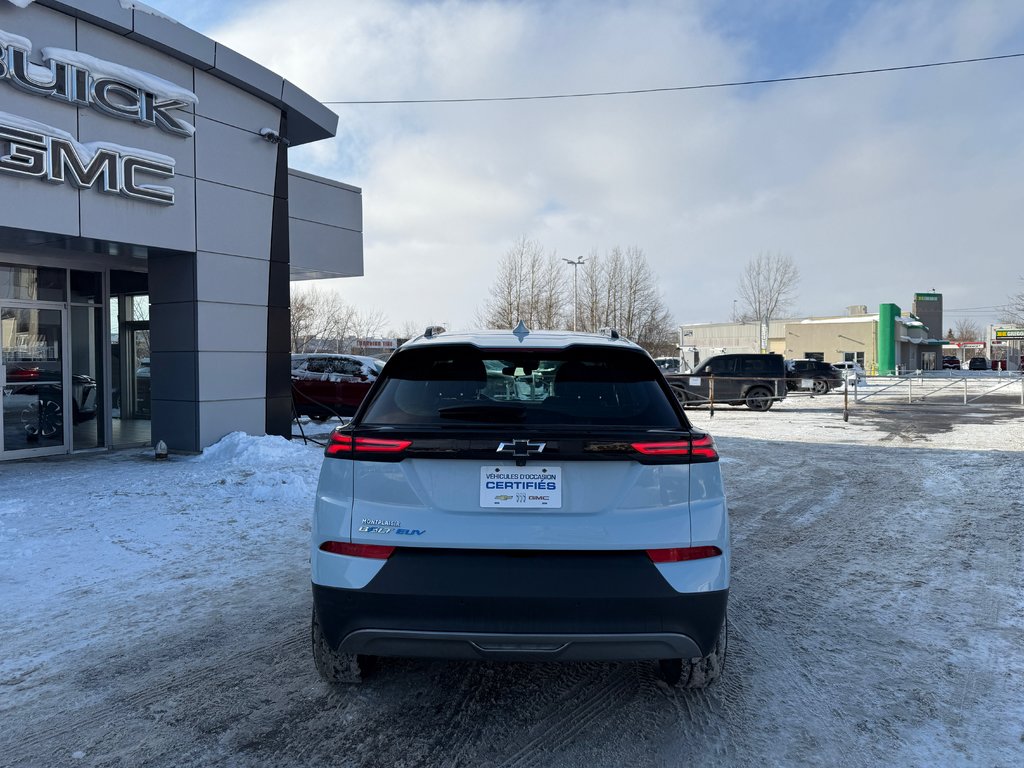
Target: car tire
[758, 399]
[319, 418]
[820, 387]
[334, 666]
[698, 673]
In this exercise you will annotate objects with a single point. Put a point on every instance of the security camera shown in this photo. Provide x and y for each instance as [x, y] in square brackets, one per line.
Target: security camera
[273, 136]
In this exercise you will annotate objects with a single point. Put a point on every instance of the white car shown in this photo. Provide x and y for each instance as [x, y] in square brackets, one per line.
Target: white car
[462, 515]
[853, 373]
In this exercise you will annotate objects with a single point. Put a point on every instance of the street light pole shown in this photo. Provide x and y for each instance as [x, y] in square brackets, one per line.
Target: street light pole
[575, 295]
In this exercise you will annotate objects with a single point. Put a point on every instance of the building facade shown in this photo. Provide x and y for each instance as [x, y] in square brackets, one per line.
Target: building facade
[149, 230]
[883, 342]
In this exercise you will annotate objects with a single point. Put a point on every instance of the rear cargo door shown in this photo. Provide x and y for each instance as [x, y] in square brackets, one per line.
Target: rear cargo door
[526, 489]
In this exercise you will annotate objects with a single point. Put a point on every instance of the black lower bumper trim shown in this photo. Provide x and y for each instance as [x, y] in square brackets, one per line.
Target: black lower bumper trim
[469, 645]
[520, 606]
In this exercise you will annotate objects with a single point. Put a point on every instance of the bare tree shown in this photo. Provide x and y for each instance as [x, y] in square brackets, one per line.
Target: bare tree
[320, 319]
[619, 290]
[965, 329]
[410, 330]
[767, 288]
[369, 324]
[529, 286]
[1014, 310]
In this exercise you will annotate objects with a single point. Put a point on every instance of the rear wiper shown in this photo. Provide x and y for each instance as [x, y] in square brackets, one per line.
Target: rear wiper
[493, 413]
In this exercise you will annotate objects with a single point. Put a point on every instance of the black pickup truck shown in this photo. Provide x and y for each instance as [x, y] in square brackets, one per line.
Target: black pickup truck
[754, 380]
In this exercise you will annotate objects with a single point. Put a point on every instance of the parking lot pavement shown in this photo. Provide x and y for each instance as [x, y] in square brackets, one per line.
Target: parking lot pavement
[158, 614]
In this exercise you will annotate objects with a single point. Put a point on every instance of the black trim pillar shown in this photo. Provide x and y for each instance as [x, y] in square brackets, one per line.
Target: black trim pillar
[279, 385]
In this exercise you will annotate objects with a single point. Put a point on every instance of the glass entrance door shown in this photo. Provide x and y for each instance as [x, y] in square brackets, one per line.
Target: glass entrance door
[32, 378]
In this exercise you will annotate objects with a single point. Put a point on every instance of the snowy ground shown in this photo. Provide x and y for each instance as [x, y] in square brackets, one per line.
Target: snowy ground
[157, 614]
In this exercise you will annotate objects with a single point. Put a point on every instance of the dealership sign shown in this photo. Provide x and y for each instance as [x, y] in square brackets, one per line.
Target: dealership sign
[35, 150]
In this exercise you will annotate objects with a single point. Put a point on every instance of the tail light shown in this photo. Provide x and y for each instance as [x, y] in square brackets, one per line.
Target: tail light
[679, 554]
[371, 551]
[674, 448]
[342, 445]
[703, 448]
[698, 448]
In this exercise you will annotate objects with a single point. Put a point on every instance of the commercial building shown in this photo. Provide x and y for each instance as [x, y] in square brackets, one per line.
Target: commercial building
[1002, 347]
[149, 230]
[882, 342]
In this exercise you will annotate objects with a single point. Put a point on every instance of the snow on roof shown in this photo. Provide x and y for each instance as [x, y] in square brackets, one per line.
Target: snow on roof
[128, 5]
[133, 5]
[844, 319]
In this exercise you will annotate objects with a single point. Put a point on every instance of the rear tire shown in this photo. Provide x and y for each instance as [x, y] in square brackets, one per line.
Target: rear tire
[759, 399]
[820, 387]
[335, 667]
[319, 418]
[698, 673]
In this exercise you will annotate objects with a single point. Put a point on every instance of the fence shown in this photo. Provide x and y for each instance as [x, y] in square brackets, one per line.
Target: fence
[922, 388]
[925, 388]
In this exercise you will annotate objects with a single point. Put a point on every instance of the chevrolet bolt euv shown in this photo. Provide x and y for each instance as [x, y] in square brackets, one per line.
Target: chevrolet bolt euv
[520, 496]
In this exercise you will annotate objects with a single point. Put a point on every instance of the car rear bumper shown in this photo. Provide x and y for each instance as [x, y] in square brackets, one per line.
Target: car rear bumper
[516, 606]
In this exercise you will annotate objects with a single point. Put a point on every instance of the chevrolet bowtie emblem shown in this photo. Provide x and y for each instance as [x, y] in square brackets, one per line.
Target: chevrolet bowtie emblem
[521, 449]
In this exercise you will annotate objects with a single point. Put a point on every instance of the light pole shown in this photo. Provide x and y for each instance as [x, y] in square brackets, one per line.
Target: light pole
[575, 295]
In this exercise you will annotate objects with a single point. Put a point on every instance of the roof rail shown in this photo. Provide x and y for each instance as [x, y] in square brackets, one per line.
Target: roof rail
[611, 333]
[432, 331]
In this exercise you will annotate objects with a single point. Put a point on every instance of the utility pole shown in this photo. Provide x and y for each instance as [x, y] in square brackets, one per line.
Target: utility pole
[575, 294]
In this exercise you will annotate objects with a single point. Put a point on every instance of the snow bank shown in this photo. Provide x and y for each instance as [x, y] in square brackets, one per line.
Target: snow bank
[240, 448]
[271, 468]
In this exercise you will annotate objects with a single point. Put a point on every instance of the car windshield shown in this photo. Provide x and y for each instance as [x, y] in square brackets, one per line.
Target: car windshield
[579, 385]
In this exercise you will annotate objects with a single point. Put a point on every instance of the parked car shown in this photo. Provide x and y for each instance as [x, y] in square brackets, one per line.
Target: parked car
[812, 375]
[950, 362]
[850, 372]
[326, 385]
[36, 393]
[750, 379]
[977, 364]
[461, 517]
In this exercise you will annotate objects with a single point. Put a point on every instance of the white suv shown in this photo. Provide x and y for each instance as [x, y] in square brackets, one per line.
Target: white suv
[521, 496]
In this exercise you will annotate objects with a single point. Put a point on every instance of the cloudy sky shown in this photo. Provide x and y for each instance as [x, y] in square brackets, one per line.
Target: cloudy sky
[877, 186]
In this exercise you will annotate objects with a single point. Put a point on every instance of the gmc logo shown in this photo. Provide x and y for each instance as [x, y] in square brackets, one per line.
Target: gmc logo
[48, 154]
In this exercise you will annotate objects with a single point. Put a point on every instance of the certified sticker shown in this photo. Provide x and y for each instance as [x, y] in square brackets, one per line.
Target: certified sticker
[521, 487]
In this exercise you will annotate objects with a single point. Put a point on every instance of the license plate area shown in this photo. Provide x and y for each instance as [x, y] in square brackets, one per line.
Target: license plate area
[537, 487]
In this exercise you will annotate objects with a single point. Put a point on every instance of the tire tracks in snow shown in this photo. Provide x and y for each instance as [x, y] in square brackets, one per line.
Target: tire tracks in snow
[156, 687]
[559, 723]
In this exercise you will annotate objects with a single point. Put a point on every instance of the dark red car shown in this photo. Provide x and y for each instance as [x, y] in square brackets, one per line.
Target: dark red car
[326, 385]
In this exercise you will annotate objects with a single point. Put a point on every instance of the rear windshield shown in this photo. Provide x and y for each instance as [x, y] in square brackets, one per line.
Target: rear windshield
[578, 386]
